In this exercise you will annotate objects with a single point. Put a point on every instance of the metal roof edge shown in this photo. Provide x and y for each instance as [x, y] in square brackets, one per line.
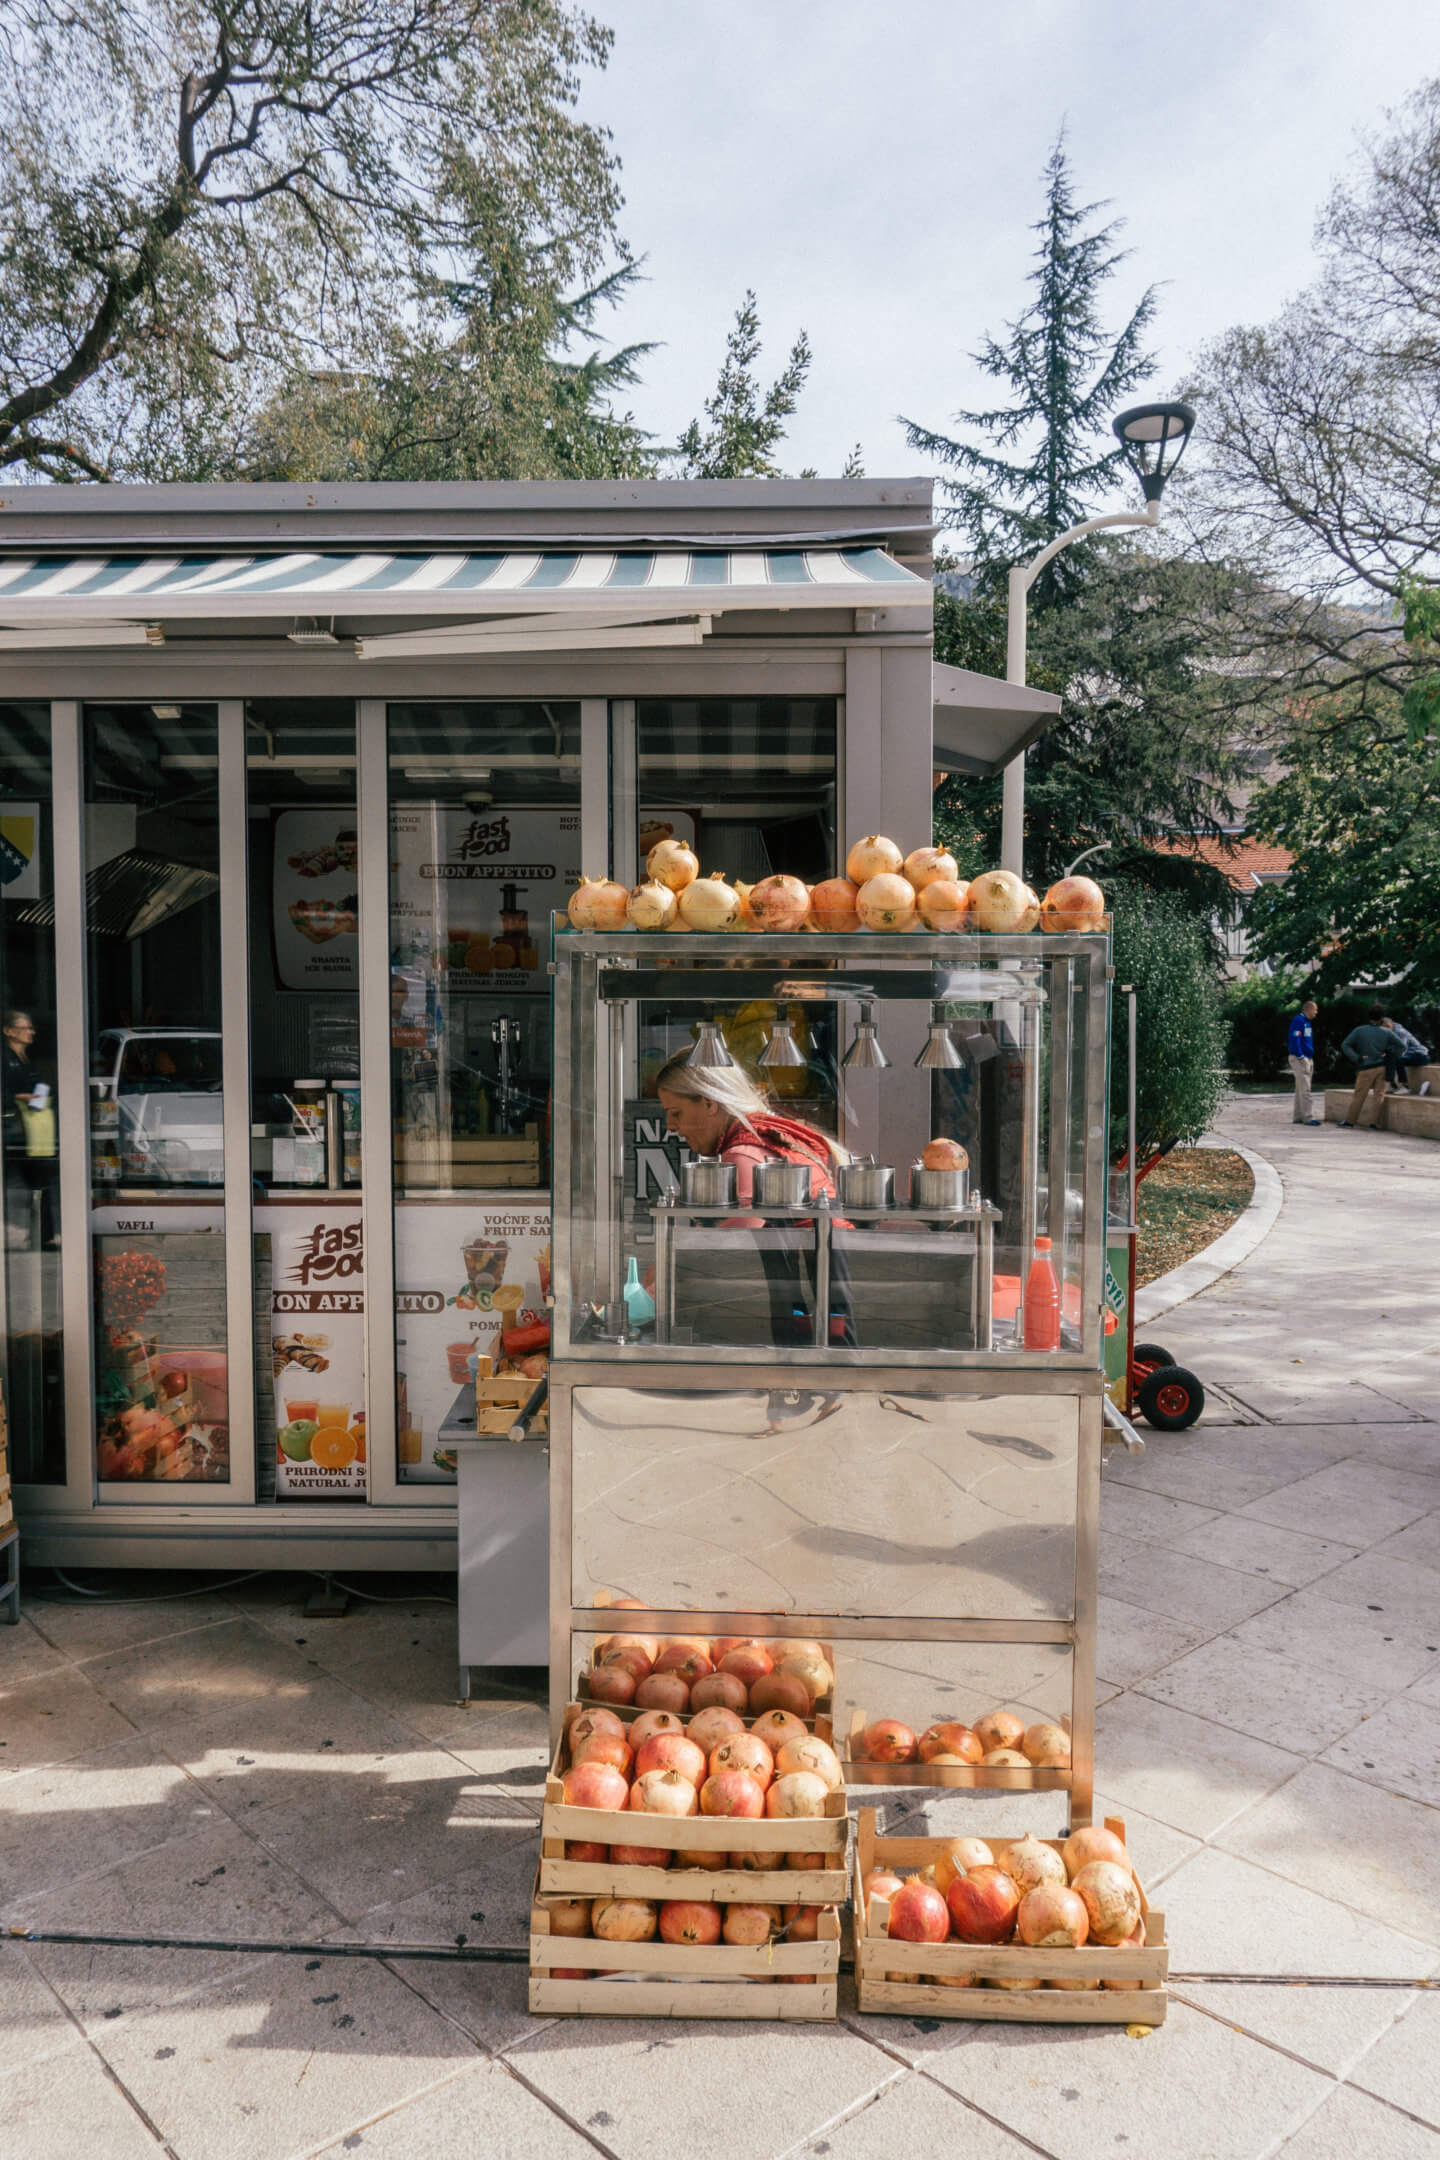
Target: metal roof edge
[956, 686]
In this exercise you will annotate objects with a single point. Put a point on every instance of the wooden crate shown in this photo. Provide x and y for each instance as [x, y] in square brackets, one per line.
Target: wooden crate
[876, 1955]
[778, 1885]
[442, 1159]
[1003, 1777]
[680, 1980]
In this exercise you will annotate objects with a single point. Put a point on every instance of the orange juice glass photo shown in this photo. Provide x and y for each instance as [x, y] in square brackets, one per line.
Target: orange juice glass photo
[332, 1413]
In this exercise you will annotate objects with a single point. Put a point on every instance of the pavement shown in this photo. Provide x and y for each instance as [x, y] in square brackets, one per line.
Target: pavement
[221, 1767]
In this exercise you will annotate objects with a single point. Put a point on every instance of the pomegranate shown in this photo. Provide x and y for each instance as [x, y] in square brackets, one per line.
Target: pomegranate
[1112, 1900]
[604, 1747]
[1074, 1987]
[944, 905]
[779, 903]
[1052, 1917]
[632, 1656]
[598, 904]
[775, 1727]
[959, 1856]
[723, 1690]
[748, 1926]
[812, 1754]
[591, 1721]
[641, 1855]
[832, 905]
[939, 1154]
[816, 1862]
[1047, 1747]
[732, 1791]
[1075, 903]
[930, 866]
[812, 1670]
[689, 1920]
[663, 1792]
[672, 864]
[610, 1683]
[572, 1972]
[999, 1728]
[586, 1849]
[872, 857]
[955, 1743]
[1005, 1758]
[1092, 1843]
[691, 1660]
[1031, 916]
[887, 1740]
[884, 1882]
[724, 1644]
[747, 1752]
[650, 1644]
[802, 1923]
[671, 1751]
[753, 1862]
[999, 900]
[786, 1646]
[983, 1904]
[650, 906]
[709, 903]
[663, 1691]
[799, 1792]
[623, 1919]
[1131, 1942]
[699, 1856]
[918, 1914]
[595, 1785]
[569, 1915]
[711, 1727]
[887, 903]
[749, 1661]
[781, 1691]
[1030, 1863]
[653, 1721]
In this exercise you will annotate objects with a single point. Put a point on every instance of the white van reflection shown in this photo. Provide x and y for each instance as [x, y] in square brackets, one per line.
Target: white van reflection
[165, 1085]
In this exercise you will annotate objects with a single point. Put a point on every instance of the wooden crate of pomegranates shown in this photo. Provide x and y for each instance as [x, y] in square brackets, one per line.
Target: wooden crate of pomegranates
[1044, 1930]
[682, 1673]
[1000, 1749]
[683, 1957]
[645, 1804]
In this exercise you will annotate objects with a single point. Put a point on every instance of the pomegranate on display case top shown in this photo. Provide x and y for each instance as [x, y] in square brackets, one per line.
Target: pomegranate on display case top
[930, 866]
[832, 906]
[944, 906]
[672, 864]
[651, 906]
[1074, 903]
[1000, 901]
[874, 856]
[710, 904]
[599, 904]
[779, 903]
[887, 902]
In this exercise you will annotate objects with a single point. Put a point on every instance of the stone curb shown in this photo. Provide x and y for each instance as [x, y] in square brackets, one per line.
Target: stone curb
[1228, 1250]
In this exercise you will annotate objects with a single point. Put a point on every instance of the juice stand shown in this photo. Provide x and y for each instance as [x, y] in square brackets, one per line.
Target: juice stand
[832, 1425]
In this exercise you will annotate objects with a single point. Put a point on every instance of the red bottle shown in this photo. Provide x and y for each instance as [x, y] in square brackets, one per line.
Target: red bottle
[1042, 1301]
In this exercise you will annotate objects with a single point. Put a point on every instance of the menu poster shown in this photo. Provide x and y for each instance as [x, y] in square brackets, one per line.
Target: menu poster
[471, 891]
[317, 1306]
[461, 1275]
[316, 899]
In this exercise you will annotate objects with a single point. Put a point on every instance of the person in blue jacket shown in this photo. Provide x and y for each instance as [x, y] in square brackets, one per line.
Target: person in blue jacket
[1302, 1062]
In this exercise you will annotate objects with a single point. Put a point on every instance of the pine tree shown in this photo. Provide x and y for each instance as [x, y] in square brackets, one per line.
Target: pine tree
[1067, 377]
[745, 429]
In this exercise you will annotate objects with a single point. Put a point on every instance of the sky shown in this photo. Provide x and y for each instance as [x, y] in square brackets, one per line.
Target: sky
[873, 169]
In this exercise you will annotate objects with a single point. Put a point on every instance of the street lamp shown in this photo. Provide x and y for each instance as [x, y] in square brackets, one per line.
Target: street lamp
[1153, 438]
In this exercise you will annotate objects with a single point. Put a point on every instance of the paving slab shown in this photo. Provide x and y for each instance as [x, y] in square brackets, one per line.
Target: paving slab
[65, 2105]
[196, 1675]
[915, 2116]
[1133, 1642]
[1152, 1518]
[1198, 1592]
[1253, 1691]
[288, 1749]
[1351, 2122]
[1405, 1594]
[35, 2022]
[1419, 1544]
[1381, 1651]
[418, 1683]
[1427, 1689]
[24, 1653]
[509, 1752]
[483, 2110]
[1260, 1548]
[284, 2057]
[1403, 2067]
[55, 1716]
[1398, 1748]
[1338, 1403]
[1182, 1467]
[639, 2083]
[1192, 2090]
[1374, 1852]
[61, 1824]
[99, 1627]
[1183, 1770]
[1347, 1503]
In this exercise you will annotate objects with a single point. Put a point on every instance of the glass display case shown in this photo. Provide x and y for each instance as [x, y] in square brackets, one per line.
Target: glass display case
[829, 1276]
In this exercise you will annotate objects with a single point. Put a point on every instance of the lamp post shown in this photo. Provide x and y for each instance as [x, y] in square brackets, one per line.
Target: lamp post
[1153, 438]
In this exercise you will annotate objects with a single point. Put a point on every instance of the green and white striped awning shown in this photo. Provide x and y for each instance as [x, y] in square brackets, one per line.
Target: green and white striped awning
[641, 584]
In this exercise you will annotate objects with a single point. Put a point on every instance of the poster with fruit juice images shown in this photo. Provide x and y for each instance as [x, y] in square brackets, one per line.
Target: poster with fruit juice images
[316, 899]
[462, 1274]
[317, 1309]
[471, 891]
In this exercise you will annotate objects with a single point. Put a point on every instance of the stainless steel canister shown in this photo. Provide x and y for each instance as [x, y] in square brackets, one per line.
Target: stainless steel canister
[709, 1182]
[939, 1188]
[867, 1184]
[782, 1184]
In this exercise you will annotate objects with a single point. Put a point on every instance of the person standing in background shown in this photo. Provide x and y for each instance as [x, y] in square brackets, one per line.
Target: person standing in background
[1405, 1050]
[1367, 1046]
[1302, 1062]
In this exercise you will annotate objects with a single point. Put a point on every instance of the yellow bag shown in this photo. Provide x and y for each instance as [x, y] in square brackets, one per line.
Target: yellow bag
[39, 1128]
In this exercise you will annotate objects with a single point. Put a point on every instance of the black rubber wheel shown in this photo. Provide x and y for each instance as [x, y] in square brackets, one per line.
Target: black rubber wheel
[1149, 1353]
[1170, 1398]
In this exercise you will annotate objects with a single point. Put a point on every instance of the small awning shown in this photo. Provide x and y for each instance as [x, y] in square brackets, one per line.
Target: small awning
[981, 723]
[642, 584]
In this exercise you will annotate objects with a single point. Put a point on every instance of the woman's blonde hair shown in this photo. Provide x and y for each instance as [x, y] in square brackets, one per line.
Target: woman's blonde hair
[731, 1088]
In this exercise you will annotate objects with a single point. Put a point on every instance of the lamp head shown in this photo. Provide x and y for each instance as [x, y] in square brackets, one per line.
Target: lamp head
[709, 1046]
[781, 1047]
[1153, 438]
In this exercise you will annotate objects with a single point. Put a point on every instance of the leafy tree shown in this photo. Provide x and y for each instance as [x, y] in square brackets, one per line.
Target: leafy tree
[1181, 1032]
[206, 203]
[1067, 376]
[746, 428]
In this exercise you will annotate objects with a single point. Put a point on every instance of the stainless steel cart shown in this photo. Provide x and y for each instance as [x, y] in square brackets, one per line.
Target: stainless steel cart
[908, 1481]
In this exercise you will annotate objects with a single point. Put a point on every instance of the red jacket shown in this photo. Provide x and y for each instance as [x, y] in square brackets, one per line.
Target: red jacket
[769, 1135]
